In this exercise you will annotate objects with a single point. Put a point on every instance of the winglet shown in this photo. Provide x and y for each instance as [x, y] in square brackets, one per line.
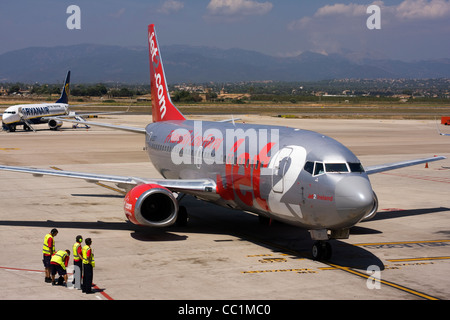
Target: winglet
[65, 91]
[162, 107]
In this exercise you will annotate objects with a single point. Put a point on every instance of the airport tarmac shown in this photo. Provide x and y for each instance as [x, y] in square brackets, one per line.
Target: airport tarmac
[224, 254]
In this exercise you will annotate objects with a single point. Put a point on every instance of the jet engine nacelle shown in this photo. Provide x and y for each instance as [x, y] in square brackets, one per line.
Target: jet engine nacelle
[54, 124]
[374, 209]
[151, 205]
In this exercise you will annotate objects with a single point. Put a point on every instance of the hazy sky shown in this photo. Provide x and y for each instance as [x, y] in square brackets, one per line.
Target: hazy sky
[410, 29]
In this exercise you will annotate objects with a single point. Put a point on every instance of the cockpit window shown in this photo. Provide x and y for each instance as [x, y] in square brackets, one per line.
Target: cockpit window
[309, 167]
[318, 169]
[336, 167]
[355, 167]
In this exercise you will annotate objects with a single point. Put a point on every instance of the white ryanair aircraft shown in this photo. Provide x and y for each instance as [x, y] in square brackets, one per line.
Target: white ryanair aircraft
[297, 176]
[32, 114]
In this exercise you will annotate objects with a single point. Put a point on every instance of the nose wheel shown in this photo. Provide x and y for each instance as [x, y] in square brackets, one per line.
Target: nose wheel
[321, 250]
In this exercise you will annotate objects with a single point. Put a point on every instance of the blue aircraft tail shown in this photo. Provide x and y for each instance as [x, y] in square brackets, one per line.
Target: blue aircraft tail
[65, 91]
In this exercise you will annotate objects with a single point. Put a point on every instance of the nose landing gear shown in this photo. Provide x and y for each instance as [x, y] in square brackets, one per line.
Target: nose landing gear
[321, 250]
[8, 127]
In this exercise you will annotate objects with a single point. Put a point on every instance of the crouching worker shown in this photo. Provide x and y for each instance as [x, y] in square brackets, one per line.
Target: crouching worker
[59, 262]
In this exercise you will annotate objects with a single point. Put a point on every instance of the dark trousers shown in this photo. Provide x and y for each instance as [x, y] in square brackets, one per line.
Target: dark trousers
[87, 278]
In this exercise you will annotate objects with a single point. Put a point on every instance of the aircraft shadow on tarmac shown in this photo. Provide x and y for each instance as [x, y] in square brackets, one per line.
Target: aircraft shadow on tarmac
[138, 232]
[381, 215]
[279, 237]
[210, 219]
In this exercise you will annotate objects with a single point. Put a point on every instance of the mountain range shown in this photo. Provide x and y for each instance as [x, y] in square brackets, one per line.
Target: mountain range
[91, 63]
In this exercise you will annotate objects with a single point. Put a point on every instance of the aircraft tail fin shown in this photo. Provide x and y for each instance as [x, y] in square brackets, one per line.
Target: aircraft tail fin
[162, 107]
[65, 91]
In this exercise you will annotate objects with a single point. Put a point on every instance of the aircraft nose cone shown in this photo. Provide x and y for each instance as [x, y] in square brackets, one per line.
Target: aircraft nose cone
[354, 198]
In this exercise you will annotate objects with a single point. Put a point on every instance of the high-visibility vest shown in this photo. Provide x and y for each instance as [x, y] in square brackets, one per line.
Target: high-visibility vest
[45, 248]
[75, 251]
[85, 259]
[60, 258]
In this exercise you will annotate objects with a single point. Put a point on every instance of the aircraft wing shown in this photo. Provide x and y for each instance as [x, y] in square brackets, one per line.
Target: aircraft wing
[99, 124]
[192, 186]
[112, 126]
[74, 114]
[229, 120]
[398, 165]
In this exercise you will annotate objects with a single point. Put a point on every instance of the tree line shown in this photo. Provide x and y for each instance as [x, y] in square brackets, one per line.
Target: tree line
[80, 90]
[348, 89]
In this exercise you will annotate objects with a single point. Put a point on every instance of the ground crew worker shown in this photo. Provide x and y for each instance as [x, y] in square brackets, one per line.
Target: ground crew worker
[48, 251]
[77, 261]
[88, 266]
[59, 262]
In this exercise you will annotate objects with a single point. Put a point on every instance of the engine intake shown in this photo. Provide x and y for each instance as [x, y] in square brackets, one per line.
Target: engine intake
[151, 205]
[54, 124]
